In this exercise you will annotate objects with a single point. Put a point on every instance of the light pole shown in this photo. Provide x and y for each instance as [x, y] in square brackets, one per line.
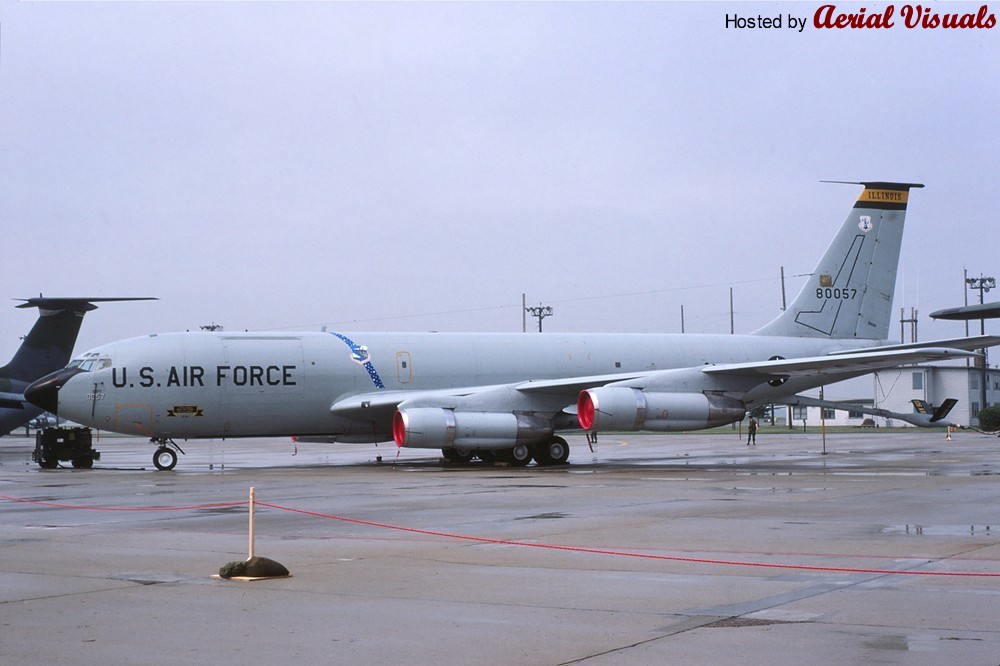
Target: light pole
[983, 284]
[540, 311]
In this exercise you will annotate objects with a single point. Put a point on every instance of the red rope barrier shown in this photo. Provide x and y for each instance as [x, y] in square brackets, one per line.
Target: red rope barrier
[525, 544]
[621, 553]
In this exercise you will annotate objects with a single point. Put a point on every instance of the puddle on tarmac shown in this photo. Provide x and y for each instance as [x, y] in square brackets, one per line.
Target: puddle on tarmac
[775, 489]
[543, 516]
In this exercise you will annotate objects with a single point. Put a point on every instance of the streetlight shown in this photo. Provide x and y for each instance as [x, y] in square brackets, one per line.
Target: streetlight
[983, 284]
[540, 311]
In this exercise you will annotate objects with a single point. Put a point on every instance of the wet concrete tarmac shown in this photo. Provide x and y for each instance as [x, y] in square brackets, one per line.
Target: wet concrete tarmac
[670, 549]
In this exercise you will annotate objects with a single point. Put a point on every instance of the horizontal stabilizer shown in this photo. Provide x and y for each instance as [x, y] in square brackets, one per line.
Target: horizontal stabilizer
[75, 304]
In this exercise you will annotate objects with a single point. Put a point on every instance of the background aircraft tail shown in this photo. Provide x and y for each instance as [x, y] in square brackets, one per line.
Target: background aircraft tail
[49, 344]
[849, 294]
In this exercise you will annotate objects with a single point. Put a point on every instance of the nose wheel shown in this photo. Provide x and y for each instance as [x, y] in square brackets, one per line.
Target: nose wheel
[165, 456]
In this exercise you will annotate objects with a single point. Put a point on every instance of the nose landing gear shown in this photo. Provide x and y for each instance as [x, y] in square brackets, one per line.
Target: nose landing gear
[165, 458]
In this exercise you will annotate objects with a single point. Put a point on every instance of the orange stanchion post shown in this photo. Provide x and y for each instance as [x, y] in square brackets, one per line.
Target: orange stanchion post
[252, 503]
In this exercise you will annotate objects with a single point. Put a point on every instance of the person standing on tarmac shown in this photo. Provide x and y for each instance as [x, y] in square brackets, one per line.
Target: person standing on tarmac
[752, 432]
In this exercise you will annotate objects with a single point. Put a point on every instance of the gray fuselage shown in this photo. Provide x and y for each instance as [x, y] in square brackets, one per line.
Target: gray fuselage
[196, 385]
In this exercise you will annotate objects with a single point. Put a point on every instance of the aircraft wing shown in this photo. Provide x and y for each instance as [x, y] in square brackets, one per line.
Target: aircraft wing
[968, 344]
[369, 405]
[838, 363]
[377, 405]
[573, 385]
[381, 404]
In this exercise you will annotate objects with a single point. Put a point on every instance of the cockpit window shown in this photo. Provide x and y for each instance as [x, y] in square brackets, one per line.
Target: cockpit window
[90, 362]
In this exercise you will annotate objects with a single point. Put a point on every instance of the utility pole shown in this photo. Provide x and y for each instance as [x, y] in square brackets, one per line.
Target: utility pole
[524, 315]
[682, 319]
[983, 284]
[965, 281]
[732, 322]
[541, 311]
[784, 306]
[822, 420]
[912, 321]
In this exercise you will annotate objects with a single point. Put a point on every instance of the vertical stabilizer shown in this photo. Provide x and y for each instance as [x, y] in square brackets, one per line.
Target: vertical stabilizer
[849, 294]
[49, 344]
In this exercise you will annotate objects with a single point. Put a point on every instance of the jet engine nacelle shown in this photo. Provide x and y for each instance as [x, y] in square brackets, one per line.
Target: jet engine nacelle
[623, 408]
[436, 428]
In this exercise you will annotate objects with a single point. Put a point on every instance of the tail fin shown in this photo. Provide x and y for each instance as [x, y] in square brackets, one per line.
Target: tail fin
[850, 292]
[49, 344]
[943, 410]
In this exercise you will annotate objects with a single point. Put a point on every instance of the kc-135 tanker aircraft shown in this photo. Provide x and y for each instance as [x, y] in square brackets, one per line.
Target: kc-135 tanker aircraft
[504, 396]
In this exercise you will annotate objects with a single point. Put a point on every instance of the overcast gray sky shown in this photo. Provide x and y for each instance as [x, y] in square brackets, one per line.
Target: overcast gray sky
[418, 166]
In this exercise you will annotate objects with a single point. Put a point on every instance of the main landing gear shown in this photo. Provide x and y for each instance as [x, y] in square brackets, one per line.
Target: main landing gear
[553, 452]
[165, 456]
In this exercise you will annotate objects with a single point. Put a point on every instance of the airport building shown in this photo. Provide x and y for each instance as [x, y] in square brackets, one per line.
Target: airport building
[894, 389]
[815, 416]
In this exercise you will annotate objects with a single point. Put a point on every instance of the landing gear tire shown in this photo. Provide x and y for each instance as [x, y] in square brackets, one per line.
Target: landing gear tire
[553, 452]
[165, 459]
[488, 457]
[48, 463]
[457, 455]
[83, 463]
[520, 455]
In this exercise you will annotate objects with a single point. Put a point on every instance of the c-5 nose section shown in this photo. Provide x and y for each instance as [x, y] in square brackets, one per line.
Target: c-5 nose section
[44, 392]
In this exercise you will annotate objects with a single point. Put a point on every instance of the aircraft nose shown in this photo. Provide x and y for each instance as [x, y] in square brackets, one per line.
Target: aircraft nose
[44, 392]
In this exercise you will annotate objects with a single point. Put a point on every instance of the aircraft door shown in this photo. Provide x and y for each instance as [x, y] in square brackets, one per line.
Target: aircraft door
[134, 418]
[404, 369]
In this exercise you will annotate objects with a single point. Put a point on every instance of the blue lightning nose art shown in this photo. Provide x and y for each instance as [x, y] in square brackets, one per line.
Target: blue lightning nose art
[360, 355]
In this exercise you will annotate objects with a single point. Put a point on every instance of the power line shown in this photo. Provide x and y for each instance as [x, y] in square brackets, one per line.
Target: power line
[496, 308]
